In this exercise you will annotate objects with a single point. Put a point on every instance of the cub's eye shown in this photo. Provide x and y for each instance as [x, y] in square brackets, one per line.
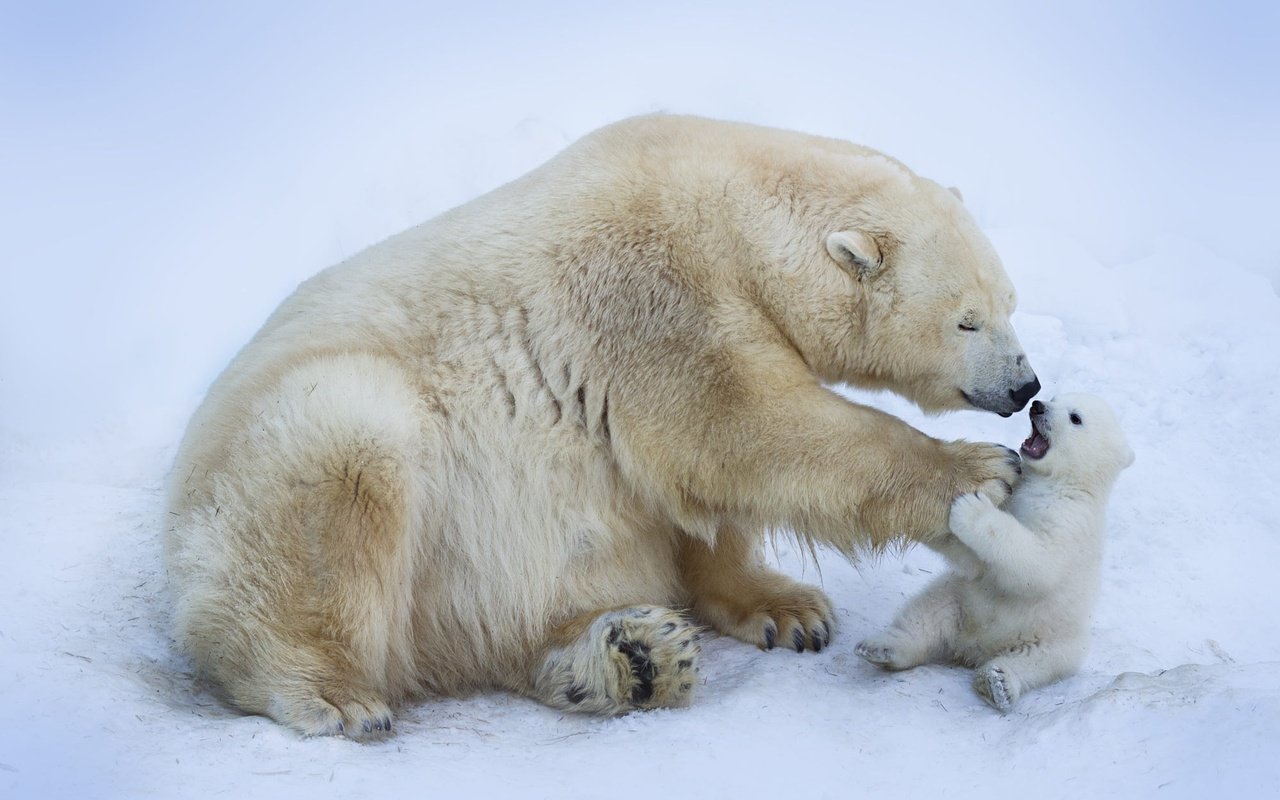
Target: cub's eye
[1075, 419]
[966, 326]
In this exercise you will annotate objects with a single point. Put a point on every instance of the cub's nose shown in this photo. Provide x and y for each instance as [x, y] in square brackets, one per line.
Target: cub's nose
[1037, 409]
[1028, 391]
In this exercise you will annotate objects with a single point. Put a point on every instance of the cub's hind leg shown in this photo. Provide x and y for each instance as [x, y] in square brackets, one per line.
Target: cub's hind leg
[293, 566]
[1003, 679]
[737, 595]
[925, 629]
[612, 662]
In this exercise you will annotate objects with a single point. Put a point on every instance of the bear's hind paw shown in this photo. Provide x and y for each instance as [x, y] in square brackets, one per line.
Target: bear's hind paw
[635, 658]
[355, 718]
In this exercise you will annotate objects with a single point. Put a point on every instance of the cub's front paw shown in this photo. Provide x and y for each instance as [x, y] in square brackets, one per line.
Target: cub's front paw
[968, 512]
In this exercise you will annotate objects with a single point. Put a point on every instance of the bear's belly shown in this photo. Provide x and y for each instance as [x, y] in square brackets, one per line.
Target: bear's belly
[529, 524]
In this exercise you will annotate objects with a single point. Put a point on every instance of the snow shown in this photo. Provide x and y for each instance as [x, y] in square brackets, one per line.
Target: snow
[172, 172]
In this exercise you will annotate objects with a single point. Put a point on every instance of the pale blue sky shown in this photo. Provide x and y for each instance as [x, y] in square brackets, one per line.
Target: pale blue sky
[171, 170]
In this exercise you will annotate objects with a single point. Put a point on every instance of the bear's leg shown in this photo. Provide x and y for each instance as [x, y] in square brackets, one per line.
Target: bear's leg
[294, 580]
[737, 595]
[924, 630]
[1003, 679]
[612, 662]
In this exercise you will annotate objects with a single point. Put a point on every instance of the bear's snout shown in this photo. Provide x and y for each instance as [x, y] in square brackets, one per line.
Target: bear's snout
[1027, 391]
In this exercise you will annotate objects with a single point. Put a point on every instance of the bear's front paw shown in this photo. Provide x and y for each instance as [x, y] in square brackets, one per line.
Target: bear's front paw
[989, 469]
[769, 610]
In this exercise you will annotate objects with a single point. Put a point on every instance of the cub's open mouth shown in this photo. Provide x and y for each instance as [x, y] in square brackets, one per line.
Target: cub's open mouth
[1036, 444]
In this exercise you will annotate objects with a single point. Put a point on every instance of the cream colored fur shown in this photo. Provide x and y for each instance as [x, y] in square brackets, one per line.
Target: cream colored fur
[483, 452]
[1016, 604]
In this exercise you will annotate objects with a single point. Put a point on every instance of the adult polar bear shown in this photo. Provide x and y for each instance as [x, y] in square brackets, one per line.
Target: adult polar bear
[498, 449]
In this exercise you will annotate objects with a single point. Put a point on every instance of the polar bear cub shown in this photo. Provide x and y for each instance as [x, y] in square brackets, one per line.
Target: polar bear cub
[1017, 600]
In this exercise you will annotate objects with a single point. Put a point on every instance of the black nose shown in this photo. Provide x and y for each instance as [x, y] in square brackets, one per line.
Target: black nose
[1037, 409]
[1028, 391]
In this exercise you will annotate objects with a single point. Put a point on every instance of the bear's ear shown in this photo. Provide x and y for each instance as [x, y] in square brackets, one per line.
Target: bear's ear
[956, 191]
[856, 252]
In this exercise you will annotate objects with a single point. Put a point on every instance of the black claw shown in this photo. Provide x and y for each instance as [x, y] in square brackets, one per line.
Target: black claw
[797, 640]
[341, 728]
[386, 724]
[684, 663]
[668, 628]
[770, 637]
[576, 694]
[368, 726]
[816, 638]
[684, 687]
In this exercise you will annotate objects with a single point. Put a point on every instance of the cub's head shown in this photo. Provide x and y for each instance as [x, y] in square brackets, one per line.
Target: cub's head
[934, 302]
[1076, 438]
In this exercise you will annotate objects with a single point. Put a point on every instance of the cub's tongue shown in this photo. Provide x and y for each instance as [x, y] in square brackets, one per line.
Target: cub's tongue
[1035, 446]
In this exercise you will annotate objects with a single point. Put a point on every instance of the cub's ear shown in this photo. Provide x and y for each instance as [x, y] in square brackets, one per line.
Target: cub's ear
[856, 252]
[956, 191]
[1127, 457]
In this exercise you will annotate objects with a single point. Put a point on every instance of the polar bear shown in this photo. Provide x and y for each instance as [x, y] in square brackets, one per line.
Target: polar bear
[535, 443]
[1017, 602]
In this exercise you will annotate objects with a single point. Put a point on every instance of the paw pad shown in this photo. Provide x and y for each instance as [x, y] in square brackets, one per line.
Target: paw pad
[992, 684]
[882, 655]
[660, 652]
[635, 658]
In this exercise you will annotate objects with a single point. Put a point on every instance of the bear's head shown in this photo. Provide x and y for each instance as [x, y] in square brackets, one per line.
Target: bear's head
[1076, 438]
[876, 276]
[934, 301]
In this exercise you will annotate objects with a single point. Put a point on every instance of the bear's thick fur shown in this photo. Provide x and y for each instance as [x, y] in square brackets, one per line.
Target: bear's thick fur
[1016, 603]
[501, 448]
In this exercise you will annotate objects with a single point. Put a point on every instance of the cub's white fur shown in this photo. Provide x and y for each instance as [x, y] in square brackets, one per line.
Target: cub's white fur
[502, 449]
[1016, 604]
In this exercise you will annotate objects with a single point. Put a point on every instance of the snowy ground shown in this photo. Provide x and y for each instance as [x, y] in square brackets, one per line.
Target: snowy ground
[177, 172]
